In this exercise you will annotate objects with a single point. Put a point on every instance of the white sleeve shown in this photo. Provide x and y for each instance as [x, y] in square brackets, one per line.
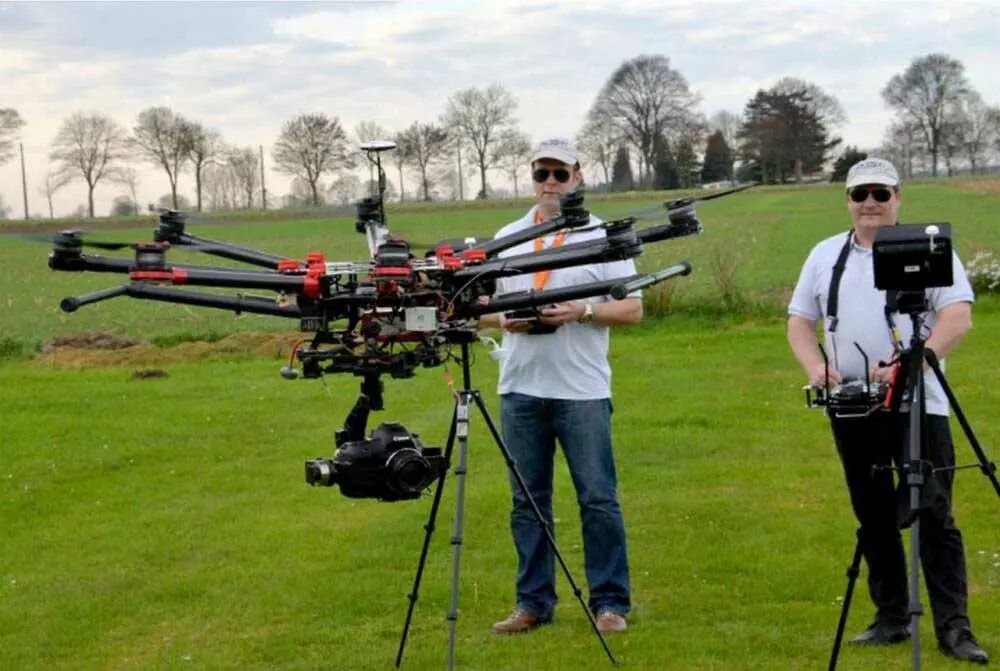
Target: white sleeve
[615, 269]
[959, 291]
[805, 299]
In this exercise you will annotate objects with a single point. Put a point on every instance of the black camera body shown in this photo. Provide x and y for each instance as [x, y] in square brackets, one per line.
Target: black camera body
[391, 465]
[913, 256]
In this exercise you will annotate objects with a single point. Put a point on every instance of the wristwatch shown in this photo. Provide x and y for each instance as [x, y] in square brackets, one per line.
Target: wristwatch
[588, 314]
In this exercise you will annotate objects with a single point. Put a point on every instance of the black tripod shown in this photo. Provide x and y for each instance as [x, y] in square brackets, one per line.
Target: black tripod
[915, 469]
[460, 430]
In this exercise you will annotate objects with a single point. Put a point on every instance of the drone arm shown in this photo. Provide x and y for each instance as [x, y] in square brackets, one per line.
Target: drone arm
[623, 289]
[142, 290]
[588, 251]
[497, 245]
[218, 277]
[228, 251]
[618, 288]
[73, 303]
[77, 262]
[669, 231]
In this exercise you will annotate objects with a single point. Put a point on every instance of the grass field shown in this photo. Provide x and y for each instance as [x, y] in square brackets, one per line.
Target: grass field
[163, 523]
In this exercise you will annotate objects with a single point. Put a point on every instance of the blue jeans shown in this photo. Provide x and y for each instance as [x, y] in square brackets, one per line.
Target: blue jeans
[531, 427]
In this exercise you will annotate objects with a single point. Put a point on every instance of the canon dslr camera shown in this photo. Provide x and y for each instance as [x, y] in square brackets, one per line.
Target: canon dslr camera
[391, 465]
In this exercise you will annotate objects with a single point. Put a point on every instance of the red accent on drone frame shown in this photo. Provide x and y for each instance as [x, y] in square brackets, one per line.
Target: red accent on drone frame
[316, 268]
[443, 251]
[287, 265]
[174, 276]
[474, 255]
[397, 271]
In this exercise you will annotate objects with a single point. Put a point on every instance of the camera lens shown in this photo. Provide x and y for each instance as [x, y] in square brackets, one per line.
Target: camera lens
[321, 472]
[408, 471]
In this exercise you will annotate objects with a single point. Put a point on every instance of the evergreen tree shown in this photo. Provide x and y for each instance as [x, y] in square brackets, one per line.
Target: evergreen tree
[850, 156]
[621, 172]
[718, 159]
[664, 166]
[686, 162]
[783, 135]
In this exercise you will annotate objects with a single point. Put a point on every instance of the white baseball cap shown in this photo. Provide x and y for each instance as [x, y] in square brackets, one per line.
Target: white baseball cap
[556, 148]
[872, 171]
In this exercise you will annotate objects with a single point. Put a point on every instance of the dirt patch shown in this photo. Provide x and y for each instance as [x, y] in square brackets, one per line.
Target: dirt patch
[983, 185]
[90, 340]
[96, 350]
[149, 374]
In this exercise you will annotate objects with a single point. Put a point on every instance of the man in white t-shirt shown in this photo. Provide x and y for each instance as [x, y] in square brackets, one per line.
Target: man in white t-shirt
[556, 387]
[837, 286]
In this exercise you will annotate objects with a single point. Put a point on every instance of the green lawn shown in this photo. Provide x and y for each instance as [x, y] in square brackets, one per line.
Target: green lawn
[164, 524]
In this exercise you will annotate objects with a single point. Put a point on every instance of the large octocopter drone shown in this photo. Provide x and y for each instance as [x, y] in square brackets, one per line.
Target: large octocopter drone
[389, 314]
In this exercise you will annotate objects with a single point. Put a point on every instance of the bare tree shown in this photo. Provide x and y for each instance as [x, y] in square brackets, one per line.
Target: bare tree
[479, 117]
[129, 178]
[300, 194]
[222, 189]
[974, 126]
[50, 185]
[345, 189]
[245, 168]
[90, 146]
[599, 139]
[205, 145]
[648, 101]
[163, 138]
[10, 124]
[368, 131]
[902, 144]
[400, 156]
[310, 145]
[922, 95]
[123, 206]
[512, 154]
[424, 144]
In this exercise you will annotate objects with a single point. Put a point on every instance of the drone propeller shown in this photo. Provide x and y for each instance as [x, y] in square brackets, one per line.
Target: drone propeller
[682, 202]
[658, 212]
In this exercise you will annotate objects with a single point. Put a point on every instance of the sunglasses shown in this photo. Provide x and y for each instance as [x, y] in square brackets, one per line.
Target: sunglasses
[859, 194]
[542, 174]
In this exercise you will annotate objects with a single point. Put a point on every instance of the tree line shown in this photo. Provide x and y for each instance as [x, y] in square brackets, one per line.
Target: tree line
[644, 130]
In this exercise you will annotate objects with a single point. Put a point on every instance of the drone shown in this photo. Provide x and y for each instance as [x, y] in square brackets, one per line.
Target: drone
[389, 314]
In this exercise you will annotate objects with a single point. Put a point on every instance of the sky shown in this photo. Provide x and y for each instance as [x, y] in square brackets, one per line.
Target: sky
[245, 68]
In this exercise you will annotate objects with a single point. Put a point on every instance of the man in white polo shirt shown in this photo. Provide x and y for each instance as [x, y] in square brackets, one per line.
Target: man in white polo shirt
[556, 387]
[837, 286]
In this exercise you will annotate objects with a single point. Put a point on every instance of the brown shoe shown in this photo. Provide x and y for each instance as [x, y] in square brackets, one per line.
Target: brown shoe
[518, 622]
[609, 622]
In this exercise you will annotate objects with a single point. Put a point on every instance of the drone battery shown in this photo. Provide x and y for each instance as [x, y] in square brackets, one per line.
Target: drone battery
[421, 319]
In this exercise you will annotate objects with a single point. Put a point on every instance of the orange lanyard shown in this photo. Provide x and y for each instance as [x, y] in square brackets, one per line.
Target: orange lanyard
[543, 276]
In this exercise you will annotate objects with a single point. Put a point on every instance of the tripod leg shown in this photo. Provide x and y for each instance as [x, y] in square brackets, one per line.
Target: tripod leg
[988, 468]
[853, 571]
[512, 466]
[428, 531]
[462, 433]
[915, 480]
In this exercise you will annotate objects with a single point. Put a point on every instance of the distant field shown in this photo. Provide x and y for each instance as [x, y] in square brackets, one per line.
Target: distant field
[760, 236]
[163, 522]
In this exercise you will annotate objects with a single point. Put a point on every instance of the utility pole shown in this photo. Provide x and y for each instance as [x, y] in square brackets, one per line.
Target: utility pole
[24, 181]
[461, 191]
[263, 188]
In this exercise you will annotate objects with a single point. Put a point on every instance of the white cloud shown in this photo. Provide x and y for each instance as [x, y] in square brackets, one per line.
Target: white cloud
[246, 68]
